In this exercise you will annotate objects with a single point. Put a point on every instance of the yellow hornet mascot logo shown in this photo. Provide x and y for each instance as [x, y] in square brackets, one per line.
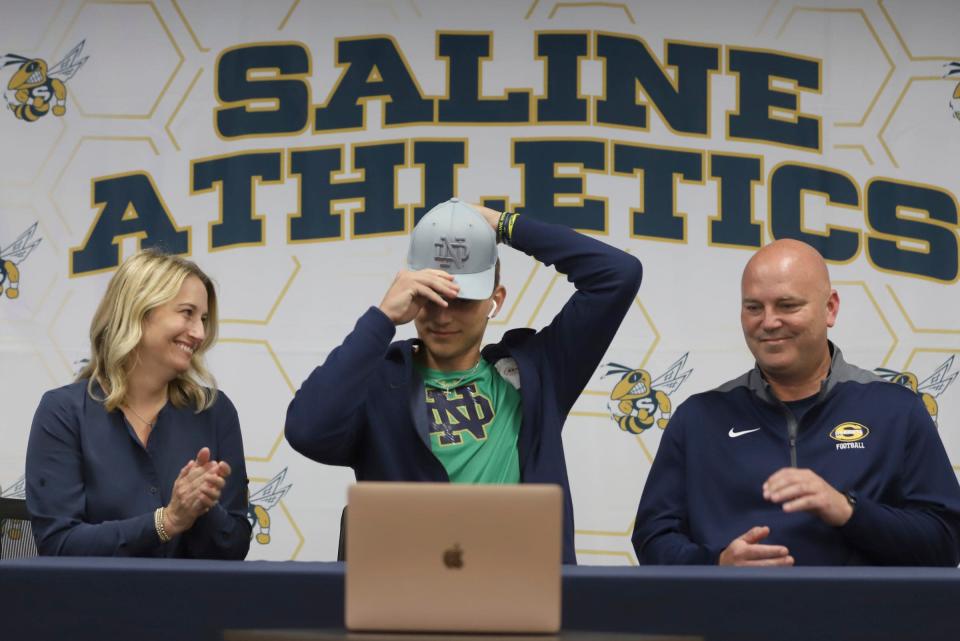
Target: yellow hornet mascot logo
[260, 504]
[11, 529]
[34, 90]
[953, 69]
[10, 258]
[640, 401]
[929, 388]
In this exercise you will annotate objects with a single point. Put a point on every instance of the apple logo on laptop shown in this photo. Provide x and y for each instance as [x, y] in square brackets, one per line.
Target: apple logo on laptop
[453, 557]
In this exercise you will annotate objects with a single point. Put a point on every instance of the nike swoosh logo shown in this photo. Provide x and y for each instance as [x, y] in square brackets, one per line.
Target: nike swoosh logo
[734, 434]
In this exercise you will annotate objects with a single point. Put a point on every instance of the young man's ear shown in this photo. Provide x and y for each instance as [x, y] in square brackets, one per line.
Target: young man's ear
[499, 293]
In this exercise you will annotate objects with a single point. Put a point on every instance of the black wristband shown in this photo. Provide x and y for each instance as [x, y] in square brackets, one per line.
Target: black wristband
[501, 226]
[508, 220]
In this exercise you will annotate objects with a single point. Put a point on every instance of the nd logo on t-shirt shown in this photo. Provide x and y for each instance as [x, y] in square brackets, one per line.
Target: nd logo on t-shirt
[474, 420]
[460, 410]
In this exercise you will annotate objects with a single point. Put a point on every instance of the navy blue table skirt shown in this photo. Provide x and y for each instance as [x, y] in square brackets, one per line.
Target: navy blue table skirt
[179, 600]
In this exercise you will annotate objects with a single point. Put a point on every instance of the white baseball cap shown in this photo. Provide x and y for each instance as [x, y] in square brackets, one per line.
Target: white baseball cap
[455, 237]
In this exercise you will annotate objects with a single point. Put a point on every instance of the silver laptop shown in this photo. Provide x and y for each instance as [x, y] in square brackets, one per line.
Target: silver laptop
[453, 558]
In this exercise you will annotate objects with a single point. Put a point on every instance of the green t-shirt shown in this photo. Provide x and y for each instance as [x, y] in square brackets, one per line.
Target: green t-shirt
[474, 418]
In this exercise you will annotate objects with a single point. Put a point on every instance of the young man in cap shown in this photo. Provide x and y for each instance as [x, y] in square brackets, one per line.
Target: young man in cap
[438, 408]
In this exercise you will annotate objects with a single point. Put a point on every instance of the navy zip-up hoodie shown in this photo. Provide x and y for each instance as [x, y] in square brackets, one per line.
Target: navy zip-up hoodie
[365, 406]
[705, 486]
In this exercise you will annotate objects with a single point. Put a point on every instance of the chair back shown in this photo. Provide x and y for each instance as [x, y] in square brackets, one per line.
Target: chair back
[16, 535]
[342, 546]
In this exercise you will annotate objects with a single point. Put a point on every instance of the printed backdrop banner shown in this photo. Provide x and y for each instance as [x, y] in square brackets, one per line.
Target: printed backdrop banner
[289, 147]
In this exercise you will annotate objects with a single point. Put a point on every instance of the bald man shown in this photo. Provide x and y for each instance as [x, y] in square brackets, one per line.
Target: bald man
[805, 459]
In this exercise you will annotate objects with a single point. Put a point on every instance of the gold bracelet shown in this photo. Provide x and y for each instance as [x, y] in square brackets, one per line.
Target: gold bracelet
[158, 524]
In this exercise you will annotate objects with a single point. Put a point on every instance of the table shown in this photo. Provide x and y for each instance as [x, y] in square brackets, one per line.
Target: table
[341, 635]
[147, 599]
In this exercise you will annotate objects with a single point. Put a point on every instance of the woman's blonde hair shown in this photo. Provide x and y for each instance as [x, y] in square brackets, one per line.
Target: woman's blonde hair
[145, 281]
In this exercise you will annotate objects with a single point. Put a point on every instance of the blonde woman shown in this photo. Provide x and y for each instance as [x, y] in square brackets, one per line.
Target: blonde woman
[141, 455]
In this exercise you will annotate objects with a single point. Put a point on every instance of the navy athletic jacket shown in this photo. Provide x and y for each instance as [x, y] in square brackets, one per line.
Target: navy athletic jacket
[365, 407]
[864, 435]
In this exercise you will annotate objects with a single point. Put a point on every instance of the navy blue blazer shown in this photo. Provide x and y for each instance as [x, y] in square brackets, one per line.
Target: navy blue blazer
[92, 487]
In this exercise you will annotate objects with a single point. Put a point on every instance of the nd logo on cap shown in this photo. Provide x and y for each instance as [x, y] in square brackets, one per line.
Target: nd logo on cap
[455, 237]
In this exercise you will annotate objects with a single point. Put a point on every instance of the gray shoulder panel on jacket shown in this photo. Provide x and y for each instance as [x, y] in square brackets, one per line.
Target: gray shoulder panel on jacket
[741, 381]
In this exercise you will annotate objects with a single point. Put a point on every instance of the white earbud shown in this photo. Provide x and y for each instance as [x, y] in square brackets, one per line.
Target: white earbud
[493, 310]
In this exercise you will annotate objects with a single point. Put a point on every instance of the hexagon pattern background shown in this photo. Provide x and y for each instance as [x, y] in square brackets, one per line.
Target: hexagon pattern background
[144, 101]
